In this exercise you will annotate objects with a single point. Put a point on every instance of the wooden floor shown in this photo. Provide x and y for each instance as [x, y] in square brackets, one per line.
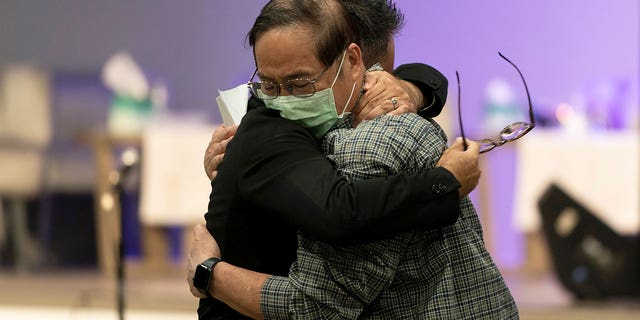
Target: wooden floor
[85, 294]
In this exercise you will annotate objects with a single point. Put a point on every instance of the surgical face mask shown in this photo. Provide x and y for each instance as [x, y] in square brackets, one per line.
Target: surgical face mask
[316, 113]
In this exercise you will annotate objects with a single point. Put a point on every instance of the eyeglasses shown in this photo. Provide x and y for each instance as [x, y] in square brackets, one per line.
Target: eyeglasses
[301, 88]
[511, 132]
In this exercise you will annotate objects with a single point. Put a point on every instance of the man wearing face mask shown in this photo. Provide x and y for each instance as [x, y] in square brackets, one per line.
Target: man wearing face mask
[316, 111]
[415, 87]
[442, 272]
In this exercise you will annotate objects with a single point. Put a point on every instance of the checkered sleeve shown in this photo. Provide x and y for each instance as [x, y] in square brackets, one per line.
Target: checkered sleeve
[315, 289]
[274, 297]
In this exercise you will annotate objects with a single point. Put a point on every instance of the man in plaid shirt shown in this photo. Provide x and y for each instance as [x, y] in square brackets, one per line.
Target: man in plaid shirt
[439, 274]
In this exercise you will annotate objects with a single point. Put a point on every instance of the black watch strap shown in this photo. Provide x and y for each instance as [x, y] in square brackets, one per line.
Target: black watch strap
[203, 278]
[211, 262]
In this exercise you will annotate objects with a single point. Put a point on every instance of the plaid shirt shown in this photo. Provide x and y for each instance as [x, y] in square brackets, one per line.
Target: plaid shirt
[436, 274]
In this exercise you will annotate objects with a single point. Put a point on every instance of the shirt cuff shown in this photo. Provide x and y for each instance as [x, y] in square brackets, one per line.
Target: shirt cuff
[274, 298]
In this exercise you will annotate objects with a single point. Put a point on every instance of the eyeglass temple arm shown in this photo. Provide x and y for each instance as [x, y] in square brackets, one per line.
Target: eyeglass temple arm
[464, 140]
[526, 88]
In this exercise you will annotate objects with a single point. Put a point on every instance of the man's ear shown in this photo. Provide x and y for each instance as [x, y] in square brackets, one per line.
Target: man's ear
[354, 58]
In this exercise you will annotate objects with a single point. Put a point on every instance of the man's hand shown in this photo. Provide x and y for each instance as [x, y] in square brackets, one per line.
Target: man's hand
[462, 164]
[380, 87]
[216, 149]
[204, 246]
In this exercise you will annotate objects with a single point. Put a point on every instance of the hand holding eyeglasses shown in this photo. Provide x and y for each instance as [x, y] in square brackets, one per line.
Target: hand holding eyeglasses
[511, 132]
[463, 164]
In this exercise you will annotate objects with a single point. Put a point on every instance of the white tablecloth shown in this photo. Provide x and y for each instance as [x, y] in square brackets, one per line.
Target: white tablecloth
[600, 170]
[174, 188]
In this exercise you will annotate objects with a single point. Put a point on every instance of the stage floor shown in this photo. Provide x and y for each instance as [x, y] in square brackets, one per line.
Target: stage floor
[163, 295]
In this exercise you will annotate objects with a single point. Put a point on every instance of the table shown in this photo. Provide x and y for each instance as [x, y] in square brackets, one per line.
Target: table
[601, 170]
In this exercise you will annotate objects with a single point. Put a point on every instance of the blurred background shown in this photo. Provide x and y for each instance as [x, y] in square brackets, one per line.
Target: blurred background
[106, 108]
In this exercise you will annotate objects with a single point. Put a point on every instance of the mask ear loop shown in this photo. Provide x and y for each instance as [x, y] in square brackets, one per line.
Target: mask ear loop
[339, 68]
[336, 79]
[349, 100]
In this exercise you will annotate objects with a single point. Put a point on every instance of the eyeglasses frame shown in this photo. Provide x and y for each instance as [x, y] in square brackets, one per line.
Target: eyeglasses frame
[527, 126]
[312, 82]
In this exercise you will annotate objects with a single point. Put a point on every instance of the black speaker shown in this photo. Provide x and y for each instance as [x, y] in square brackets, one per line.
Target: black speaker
[591, 260]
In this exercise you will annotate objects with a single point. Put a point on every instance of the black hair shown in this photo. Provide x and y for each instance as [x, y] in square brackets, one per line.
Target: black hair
[377, 21]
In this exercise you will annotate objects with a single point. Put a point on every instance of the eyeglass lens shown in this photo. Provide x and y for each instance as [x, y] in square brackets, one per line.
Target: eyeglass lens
[268, 90]
[301, 88]
[510, 133]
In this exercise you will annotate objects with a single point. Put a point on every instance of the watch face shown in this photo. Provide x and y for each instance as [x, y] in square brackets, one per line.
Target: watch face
[202, 278]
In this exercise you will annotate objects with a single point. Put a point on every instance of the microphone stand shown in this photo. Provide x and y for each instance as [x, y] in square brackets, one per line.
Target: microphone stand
[129, 159]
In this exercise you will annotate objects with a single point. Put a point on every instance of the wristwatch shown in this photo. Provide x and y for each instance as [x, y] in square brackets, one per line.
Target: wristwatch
[203, 275]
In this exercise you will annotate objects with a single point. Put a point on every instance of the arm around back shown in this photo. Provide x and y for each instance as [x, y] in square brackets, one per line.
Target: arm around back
[292, 178]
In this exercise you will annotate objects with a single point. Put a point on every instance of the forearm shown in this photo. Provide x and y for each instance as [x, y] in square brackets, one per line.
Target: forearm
[239, 288]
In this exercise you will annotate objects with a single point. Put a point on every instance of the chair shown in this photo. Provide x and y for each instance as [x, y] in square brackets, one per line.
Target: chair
[25, 136]
[591, 259]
